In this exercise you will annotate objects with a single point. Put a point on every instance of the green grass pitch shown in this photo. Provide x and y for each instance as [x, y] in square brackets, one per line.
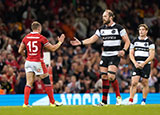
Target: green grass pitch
[82, 110]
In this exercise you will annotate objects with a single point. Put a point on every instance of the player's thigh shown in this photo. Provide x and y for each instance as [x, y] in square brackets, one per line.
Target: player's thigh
[40, 68]
[113, 63]
[104, 70]
[29, 66]
[30, 77]
[146, 71]
[42, 76]
[135, 80]
[144, 81]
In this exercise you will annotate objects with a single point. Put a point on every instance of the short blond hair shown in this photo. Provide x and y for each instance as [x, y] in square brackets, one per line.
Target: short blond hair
[35, 25]
[143, 25]
[110, 13]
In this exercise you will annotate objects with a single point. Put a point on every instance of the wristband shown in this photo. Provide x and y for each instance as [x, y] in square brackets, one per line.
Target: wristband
[81, 42]
[59, 43]
[125, 51]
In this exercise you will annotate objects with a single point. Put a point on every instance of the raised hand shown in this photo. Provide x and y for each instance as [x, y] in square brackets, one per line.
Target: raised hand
[75, 42]
[61, 38]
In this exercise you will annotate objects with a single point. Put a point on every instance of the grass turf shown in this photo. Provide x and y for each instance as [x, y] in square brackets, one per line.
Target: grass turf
[82, 110]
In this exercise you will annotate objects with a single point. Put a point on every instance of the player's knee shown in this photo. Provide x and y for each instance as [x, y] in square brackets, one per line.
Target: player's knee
[29, 83]
[104, 75]
[145, 84]
[134, 84]
[111, 78]
[46, 80]
[111, 75]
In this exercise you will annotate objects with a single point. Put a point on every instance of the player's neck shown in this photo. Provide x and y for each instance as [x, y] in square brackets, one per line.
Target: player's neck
[110, 24]
[35, 31]
[142, 37]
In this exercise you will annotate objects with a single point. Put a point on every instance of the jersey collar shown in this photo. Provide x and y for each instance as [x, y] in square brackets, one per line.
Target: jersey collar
[144, 38]
[111, 25]
[34, 32]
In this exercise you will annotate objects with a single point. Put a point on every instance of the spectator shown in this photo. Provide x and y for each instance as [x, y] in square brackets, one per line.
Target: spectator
[39, 86]
[5, 85]
[20, 82]
[73, 85]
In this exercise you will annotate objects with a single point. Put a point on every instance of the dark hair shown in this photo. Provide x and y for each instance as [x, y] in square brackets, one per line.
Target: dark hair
[35, 25]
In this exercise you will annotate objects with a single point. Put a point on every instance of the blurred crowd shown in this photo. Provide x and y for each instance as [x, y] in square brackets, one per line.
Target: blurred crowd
[74, 69]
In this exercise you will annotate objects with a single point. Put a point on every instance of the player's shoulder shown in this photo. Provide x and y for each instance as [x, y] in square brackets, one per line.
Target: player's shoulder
[134, 40]
[27, 35]
[150, 41]
[118, 26]
[102, 27]
[41, 36]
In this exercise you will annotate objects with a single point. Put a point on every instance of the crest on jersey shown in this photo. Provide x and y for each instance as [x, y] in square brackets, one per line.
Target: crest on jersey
[136, 43]
[145, 44]
[113, 31]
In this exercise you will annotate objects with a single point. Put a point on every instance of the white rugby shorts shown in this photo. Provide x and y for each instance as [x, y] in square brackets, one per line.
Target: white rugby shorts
[38, 68]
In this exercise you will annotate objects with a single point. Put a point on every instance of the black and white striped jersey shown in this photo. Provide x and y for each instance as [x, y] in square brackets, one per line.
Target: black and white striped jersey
[141, 49]
[112, 37]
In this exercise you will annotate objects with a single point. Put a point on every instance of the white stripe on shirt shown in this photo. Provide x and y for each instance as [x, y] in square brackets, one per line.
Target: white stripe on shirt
[112, 43]
[109, 53]
[141, 53]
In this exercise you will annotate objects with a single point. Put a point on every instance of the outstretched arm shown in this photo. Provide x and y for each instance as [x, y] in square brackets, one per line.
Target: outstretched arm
[90, 40]
[53, 48]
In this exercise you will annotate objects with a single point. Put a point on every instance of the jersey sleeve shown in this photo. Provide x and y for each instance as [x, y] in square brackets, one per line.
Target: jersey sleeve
[44, 40]
[97, 33]
[151, 45]
[132, 45]
[24, 40]
[122, 30]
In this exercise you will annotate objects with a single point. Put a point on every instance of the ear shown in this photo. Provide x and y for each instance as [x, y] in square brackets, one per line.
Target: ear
[111, 18]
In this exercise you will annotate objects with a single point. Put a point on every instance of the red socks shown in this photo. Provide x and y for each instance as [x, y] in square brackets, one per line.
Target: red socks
[27, 91]
[105, 90]
[130, 99]
[49, 91]
[115, 86]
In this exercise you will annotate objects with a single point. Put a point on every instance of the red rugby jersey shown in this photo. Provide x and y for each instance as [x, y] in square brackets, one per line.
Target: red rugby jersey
[34, 43]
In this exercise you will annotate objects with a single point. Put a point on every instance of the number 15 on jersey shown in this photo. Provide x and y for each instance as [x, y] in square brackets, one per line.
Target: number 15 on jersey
[32, 46]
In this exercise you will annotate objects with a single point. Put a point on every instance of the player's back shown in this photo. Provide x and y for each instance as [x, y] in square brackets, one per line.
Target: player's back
[34, 43]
